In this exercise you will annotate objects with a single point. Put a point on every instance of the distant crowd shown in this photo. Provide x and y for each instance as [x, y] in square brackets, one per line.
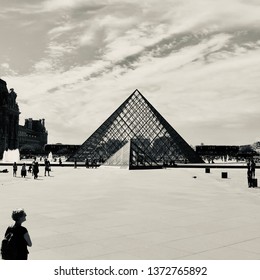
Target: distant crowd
[33, 169]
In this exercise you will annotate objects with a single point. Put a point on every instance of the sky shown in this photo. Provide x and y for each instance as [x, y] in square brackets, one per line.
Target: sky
[73, 62]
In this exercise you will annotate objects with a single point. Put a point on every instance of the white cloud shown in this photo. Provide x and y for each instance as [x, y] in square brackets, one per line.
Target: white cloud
[43, 66]
[56, 50]
[57, 31]
[57, 5]
[5, 65]
[5, 68]
[135, 41]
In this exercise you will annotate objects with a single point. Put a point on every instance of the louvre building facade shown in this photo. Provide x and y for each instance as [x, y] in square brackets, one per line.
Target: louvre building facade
[9, 119]
[29, 138]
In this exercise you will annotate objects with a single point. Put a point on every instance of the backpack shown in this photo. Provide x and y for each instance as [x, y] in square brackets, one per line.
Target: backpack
[8, 247]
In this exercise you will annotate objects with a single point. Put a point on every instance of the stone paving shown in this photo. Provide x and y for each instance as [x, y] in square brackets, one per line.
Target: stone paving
[113, 213]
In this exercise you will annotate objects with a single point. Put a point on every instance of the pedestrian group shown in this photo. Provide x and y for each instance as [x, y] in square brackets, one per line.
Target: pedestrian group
[33, 169]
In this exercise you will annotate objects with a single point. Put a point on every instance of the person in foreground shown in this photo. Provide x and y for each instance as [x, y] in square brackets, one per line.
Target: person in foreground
[21, 237]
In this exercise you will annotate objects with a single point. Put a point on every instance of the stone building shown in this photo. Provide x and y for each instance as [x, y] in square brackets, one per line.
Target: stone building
[29, 138]
[9, 119]
[33, 136]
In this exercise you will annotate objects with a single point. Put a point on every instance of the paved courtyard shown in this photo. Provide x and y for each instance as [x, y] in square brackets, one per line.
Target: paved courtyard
[113, 213]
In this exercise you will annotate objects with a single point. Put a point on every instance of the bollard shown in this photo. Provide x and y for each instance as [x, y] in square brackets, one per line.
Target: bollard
[254, 182]
[224, 175]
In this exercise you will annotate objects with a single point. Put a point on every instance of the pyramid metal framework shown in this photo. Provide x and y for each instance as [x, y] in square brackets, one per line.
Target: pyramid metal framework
[153, 141]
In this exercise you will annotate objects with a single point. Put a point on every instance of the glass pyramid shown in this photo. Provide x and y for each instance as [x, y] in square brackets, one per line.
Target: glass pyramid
[153, 141]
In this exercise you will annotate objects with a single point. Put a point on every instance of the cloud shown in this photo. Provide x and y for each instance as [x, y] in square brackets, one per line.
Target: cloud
[209, 15]
[59, 30]
[186, 81]
[196, 61]
[57, 5]
[5, 65]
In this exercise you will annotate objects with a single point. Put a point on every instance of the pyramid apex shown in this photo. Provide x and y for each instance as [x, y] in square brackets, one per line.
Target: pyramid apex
[137, 93]
[137, 90]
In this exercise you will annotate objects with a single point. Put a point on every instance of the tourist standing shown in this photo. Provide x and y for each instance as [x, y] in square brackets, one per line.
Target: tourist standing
[35, 170]
[21, 237]
[47, 167]
[32, 166]
[86, 163]
[249, 175]
[23, 170]
[253, 168]
[14, 169]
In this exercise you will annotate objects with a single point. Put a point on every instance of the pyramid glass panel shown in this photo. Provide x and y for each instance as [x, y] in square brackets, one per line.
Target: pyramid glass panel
[154, 142]
[120, 158]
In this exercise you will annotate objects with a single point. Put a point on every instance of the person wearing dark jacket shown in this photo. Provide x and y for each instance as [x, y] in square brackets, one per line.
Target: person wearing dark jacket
[22, 237]
[35, 170]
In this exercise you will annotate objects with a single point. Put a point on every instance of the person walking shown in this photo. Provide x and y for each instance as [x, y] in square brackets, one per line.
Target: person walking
[47, 167]
[30, 168]
[23, 170]
[86, 163]
[35, 170]
[253, 168]
[249, 175]
[21, 237]
[14, 169]
[33, 166]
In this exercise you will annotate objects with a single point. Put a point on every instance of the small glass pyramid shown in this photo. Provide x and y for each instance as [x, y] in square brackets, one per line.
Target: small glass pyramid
[153, 142]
